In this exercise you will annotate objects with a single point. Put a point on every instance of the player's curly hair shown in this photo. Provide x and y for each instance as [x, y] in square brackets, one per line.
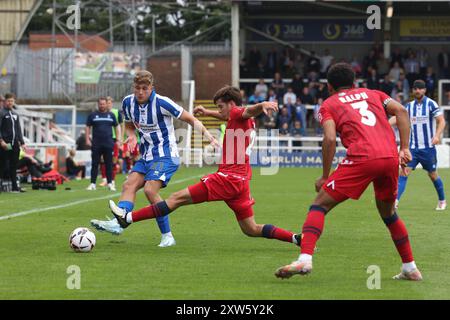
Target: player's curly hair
[341, 75]
[227, 94]
[143, 77]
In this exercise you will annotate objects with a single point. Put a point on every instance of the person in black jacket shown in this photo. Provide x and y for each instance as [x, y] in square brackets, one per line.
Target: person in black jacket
[11, 140]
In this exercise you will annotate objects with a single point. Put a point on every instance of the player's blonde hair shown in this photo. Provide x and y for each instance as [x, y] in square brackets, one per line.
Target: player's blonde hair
[144, 77]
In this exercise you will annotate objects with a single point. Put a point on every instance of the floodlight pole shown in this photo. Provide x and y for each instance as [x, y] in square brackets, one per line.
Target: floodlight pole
[111, 29]
[52, 54]
[235, 44]
[153, 33]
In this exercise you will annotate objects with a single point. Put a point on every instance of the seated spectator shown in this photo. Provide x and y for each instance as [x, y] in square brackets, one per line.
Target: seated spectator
[270, 120]
[387, 86]
[394, 73]
[74, 169]
[405, 84]
[430, 81]
[356, 66]
[297, 132]
[243, 68]
[369, 61]
[291, 70]
[325, 63]
[261, 71]
[81, 141]
[244, 97]
[322, 91]
[300, 115]
[313, 66]
[284, 118]
[412, 68]
[261, 89]
[297, 84]
[278, 85]
[400, 98]
[289, 97]
[317, 126]
[373, 80]
[398, 91]
[272, 96]
[272, 60]
[422, 57]
[306, 97]
[284, 130]
[383, 65]
[363, 84]
[299, 63]
[396, 57]
[255, 98]
[34, 166]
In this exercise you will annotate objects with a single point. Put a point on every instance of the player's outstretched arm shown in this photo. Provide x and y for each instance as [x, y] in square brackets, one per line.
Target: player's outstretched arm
[199, 127]
[256, 109]
[328, 150]
[202, 111]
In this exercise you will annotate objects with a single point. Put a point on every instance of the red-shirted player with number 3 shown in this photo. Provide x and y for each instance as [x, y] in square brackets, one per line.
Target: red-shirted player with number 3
[231, 182]
[360, 116]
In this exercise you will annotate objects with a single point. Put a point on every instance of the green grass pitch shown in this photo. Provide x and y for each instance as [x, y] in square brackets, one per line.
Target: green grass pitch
[212, 258]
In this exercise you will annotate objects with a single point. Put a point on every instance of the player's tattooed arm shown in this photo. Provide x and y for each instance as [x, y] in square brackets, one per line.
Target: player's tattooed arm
[256, 109]
[202, 111]
[199, 127]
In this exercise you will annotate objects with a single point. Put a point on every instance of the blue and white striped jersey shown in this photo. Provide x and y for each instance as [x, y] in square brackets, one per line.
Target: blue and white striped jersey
[422, 120]
[154, 122]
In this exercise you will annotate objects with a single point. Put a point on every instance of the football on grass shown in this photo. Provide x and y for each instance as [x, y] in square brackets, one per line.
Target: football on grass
[82, 240]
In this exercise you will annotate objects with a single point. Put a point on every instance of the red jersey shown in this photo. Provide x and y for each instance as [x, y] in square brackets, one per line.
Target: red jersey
[237, 143]
[362, 123]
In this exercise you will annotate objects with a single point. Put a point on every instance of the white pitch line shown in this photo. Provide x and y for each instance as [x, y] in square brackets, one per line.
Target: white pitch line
[27, 212]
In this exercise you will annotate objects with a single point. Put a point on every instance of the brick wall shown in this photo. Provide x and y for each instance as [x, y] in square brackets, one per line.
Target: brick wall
[210, 74]
[167, 74]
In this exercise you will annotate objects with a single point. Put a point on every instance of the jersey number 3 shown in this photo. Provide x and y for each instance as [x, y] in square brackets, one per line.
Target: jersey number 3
[368, 117]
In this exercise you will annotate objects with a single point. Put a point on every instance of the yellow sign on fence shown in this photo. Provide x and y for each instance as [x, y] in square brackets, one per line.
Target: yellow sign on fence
[425, 28]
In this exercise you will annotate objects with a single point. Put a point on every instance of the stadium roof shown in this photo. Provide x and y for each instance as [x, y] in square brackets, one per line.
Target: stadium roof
[14, 17]
[342, 8]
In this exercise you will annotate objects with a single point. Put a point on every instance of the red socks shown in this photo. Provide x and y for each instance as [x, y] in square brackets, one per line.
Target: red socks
[399, 235]
[312, 229]
[271, 232]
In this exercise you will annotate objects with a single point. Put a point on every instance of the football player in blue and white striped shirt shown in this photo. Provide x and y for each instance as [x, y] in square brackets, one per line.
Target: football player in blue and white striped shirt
[152, 116]
[423, 112]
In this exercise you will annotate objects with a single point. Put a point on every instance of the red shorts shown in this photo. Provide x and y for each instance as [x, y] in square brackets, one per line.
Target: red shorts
[351, 178]
[234, 190]
[133, 153]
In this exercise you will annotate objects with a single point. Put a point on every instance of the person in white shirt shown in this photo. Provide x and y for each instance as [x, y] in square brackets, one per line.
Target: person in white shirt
[289, 97]
[261, 89]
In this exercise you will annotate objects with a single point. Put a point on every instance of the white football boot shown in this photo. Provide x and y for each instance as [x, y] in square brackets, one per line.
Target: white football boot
[296, 267]
[167, 240]
[111, 226]
[442, 205]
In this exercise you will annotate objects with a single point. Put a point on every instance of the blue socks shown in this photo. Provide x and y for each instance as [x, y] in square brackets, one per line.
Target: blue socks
[163, 221]
[127, 205]
[439, 186]
[401, 186]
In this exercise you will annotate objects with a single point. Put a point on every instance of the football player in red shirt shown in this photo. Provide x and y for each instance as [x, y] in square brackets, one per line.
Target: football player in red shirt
[360, 116]
[231, 182]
